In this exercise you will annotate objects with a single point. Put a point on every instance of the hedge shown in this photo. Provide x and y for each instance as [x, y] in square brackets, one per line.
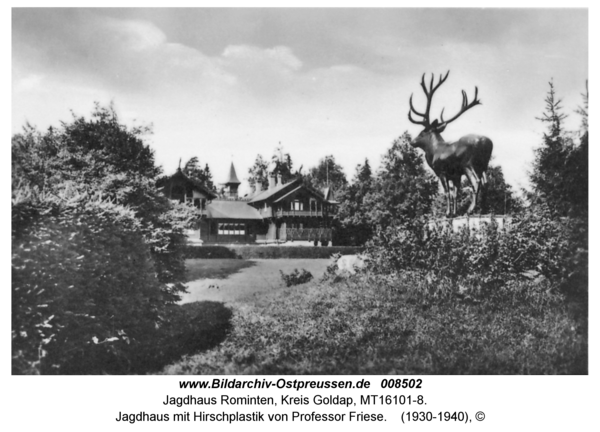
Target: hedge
[268, 252]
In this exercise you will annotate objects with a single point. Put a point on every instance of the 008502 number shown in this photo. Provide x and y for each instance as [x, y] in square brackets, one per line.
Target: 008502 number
[401, 383]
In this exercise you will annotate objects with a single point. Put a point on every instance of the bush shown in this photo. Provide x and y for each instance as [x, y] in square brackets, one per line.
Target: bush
[190, 328]
[332, 268]
[97, 253]
[296, 277]
[534, 244]
[84, 288]
[267, 252]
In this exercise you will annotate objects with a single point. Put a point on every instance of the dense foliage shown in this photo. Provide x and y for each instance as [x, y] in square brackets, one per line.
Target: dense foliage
[495, 197]
[203, 175]
[97, 256]
[402, 190]
[259, 173]
[281, 165]
[560, 179]
[296, 277]
[327, 175]
[560, 171]
[532, 246]
[352, 224]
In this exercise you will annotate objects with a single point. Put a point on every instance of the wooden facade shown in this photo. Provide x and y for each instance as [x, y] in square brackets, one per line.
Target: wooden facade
[179, 187]
[283, 212]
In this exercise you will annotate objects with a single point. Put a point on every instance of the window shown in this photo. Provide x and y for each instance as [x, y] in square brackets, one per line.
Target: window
[313, 205]
[298, 205]
[232, 229]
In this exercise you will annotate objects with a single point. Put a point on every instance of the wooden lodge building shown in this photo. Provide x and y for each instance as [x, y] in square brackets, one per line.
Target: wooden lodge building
[283, 212]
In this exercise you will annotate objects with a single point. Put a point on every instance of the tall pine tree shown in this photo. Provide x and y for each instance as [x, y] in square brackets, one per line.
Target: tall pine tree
[560, 169]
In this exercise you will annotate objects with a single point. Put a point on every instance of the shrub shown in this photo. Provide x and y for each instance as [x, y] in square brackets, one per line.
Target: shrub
[84, 288]
[331, 270]
[535, 243]
[190, 328]
[296, 277]
[267, 252]
[97, 256]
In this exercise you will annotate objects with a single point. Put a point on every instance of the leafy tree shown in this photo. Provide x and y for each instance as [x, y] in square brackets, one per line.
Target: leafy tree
[404, 189]
[352, 223]
[498, 197]
[281, 164]
[193, 170]
[327, 174]
[96, 247]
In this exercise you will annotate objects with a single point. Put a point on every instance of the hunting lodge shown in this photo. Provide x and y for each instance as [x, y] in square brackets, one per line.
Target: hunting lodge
[283, 212]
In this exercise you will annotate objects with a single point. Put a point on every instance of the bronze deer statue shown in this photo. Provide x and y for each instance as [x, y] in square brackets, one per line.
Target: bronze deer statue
[468, 156]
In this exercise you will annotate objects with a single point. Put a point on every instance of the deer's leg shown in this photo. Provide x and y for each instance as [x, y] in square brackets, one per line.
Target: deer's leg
[475, 182]
[456, 183]
[446, 188]
[452, 187]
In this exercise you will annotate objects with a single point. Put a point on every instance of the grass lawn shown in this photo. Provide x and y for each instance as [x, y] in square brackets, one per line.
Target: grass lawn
[368, 325]
[229, 280]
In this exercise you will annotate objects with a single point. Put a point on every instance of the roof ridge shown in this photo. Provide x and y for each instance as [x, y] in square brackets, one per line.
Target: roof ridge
[267, 193]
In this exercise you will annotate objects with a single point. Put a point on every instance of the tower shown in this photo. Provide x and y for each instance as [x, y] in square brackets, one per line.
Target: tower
[232, 184]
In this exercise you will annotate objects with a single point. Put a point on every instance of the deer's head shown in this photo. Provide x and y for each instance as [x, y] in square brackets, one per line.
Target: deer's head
[433, 129]
[430, 134]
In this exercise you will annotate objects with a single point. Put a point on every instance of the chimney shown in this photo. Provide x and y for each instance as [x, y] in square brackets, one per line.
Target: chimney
[258, 187]
[278, 179]
[272, 182]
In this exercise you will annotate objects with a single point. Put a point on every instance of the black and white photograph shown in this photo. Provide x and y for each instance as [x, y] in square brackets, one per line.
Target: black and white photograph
[299, 191]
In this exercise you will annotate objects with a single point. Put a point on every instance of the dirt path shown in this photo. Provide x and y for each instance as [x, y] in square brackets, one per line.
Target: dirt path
[229, 280]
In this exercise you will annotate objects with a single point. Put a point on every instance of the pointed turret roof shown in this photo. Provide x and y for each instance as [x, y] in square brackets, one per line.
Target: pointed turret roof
[232, 176]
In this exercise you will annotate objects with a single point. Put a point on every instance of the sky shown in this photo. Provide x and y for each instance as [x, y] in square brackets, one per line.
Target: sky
[227, 84]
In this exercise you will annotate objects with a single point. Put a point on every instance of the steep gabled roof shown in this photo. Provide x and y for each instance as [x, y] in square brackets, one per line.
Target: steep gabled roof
[308, 189]
[195, 183]
[231, 210]
[264, 195]
[328, 194]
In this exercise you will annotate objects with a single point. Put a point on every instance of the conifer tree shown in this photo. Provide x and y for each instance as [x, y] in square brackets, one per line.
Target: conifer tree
[258, 173]
[559, 176]
[352, 221]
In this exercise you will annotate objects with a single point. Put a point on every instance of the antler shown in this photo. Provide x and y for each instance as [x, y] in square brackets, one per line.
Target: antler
[465, 106]
[429, 93]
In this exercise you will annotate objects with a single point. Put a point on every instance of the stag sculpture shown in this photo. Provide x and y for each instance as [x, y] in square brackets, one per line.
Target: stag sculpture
[468, 156]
